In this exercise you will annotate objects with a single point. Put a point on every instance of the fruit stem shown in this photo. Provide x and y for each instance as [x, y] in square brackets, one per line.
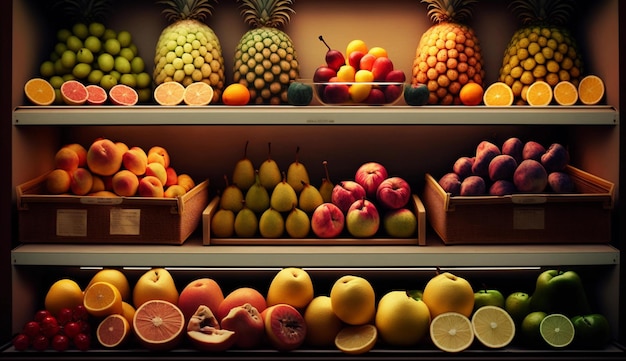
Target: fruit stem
[325, 164]
[297, 154]
[226, 180]
[245, 150]
[269, 150]
[324, 41]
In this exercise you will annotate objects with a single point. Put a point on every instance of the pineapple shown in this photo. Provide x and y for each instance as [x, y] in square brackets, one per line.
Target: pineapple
[448, 55]
[265, 59]
[188, 50]
[543, 49]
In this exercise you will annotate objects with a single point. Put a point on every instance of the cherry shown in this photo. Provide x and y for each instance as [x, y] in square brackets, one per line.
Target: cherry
[65, 315]
[31, 329]
[21, 342]
[49, 326]
[60, 342]
[41, 314]
[40, 343]
[82, 341]
[80, 313]
[72, 329]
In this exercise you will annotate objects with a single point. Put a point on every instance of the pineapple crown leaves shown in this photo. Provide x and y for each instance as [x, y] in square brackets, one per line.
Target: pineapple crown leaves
[270, 13]
[555, 12]
[457, 11]
[187, 9]
[83, 10]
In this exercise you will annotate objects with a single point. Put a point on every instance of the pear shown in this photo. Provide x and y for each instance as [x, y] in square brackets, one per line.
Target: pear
[297, 223]
[244, 171]
[269, 173]
[246, 222]
[232, 197]
[283, 196]
[297, 173]
[257, 198]
[326, 188]
[223, 223]
[309, 198]
[271, 224]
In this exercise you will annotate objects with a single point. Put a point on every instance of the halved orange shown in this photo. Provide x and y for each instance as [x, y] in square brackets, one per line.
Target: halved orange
[159, 325]
[169, 93]
[591, 90]
[539, 94]
[102, 299]
[498, 94]
[113, 331]
[565, 93]
[39, 91]
[198, 93]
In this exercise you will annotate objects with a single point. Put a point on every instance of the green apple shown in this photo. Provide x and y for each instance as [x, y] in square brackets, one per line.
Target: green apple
[400, 223]
[591, 331]
[530, 333]
[486, 297]
[517, 304]
[560, 292]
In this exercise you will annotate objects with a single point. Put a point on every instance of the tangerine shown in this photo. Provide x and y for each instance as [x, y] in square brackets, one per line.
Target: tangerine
[39, 91]
[471, 94]
[498, 94]
[103, 299]
[565, 93]
[539, 94]
[236, 94]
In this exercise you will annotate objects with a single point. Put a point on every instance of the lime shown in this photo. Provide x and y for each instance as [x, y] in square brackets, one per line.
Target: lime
[137, 65]
[451, 332]
[493, 326]
[47, 69]
[128, 79]
[112, 46]
[68, 59]
[63, 34]
[124, 38]
[81, 30]
[56, 81]
[143, 80]
[144, 94]
[81, 70]
[59, 48]
[530, 328]
[93, 44]
[557, 330]
[84, 55]
[109, 34]
[96, 29]
[116, 74]
[95, 76]
[127, 53]
[106, 62]
[122, 65]
[108, 81]
[74, 43]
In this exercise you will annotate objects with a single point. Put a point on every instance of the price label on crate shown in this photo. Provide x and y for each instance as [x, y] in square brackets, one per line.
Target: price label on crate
[125, 222]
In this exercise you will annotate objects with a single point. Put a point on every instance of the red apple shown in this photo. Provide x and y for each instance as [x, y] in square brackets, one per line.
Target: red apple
[362, 219]
[246, 322]
[369, 176]
[202, 291]
[336, 93]
[376, 97]
[345, 193]
[327, 220]
[323, 74]
[396, 76]
[239, 297]
[354, 59]
[393, 193]
[150, 186]
[381, 67]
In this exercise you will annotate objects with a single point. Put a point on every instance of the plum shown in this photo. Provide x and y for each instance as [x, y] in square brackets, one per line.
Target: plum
[473, 186]
[502, 167]
[530, 177]
[502, 187]
[561, 182]
[451, 183]
[533, 150]
[463, 167]
[555, 158]
[513, 147]
[481, 163]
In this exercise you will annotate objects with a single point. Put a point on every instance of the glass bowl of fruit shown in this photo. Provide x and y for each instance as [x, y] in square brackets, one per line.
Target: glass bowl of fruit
[358, 93]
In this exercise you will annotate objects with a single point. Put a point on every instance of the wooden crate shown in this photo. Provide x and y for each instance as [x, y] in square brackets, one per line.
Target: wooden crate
[85, 219]
[583, 217]
[416, 205]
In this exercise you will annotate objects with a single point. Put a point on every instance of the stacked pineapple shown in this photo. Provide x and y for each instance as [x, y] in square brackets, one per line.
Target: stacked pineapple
[448, 55]
[543, 49]
[265, 59]
[188, 50]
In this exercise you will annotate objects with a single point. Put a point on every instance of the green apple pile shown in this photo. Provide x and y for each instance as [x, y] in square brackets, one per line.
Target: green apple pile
[94, 54]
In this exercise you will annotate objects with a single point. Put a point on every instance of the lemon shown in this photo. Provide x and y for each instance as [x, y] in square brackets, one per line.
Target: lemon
[356, 339]
[493, 326]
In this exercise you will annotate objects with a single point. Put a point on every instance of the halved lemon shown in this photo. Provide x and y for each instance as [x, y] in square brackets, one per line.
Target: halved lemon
[452, 332]
[493, 326]
[356, 339]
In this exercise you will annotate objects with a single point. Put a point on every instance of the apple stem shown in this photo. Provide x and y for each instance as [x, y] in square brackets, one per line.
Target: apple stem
[324, 41]
[484, 287]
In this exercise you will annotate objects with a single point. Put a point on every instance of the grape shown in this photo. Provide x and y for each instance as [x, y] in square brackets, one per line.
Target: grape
[49, 326]
[21, 342]
[31, 329]
[72, 329]
[40, 343]
[60, 342]
[82, 341]
[80, 313]
[41, 314]
[65, 315]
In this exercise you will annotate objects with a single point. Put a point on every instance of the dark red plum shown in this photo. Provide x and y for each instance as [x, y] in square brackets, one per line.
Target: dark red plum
[473, 186]
[533, 150]
[392, 92]
[486, 145]
[502, 187]
[451, 183]
[483, 158]
[463, 167]
[502, 167]
[513, 147]
[561, 182]
[530, 177]
[555, 158]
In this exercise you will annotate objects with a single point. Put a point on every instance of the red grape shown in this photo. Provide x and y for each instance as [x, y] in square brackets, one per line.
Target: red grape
[40, 343]
[60, 342]
[82, 341]
[41, 314]
[49, 326]
[65, 315]
[31, 329]
[72, 329]
[80, 313]
[21, 342]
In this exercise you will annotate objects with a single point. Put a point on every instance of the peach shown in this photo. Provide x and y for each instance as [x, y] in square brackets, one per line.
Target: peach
[156, 153]
[81, 181]
[58, 181]
[246, 322]
[238, 297]
[530, 177]
[204, 332]
[125, 183]
[98, 184]
[172, 177]
[451, 183]
[135, 160]
[561, 182]
[67, 159]
[80, 151]
[502, 187]
[104, 157]
[202, 291]
[157, 170]
[150, 186]
[174, 191]
[122, 147]
[513, 147]
[555, 158]
[186, 181]
[485, 152]
[463, 166]
[502, 167]
[107, 194]
[473, 186]
[533, 150]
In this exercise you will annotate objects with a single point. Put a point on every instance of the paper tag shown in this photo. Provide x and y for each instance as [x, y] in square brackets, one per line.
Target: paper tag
[71, 222]
[125, 222]
[528, 218]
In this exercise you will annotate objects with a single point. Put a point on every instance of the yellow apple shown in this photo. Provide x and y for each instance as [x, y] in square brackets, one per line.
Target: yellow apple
[292, 286]
[402, 320]
[156, 284]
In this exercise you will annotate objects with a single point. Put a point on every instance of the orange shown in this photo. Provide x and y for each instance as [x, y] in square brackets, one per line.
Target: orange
[114, 277]
[64, 293]
[471, 94]
[356, 339]
[128, 311]
[236, 94]
[198, 93]
[159, 325]
[121, 94]
[74, 92]
[103, 299]
[591, 90]
[169, 93]
[498, 94]
[539, 94]
[451, 332]
[39, 91]
[447, 292]
[565, 93]
[113, 331]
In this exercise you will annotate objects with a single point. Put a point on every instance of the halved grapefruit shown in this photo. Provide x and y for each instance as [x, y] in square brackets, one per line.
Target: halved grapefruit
[159, 325]
[96, 94]
[74, 92]
[121, 94]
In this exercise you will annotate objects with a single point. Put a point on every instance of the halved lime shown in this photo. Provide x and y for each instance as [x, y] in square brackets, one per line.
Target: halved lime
[451, 332]
[557, 330]
[493, 326]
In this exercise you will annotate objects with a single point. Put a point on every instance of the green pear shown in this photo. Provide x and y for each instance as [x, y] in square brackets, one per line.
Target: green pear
[269, 173]
[558, 291]
[326, 188]
[297, 223]
[283, 196]
[244, 171]
[310, 198]
[297, 173]
[223, 223]
[246, 223]
[257, 198]
[232, 197]
[271, 224]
